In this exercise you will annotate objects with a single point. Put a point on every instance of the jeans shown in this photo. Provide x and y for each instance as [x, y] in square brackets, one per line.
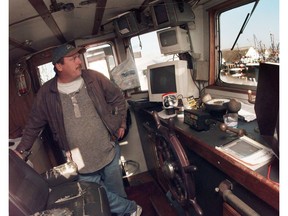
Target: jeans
[110, 177]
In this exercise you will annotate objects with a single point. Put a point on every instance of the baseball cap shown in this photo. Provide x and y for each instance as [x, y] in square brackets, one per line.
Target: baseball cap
[65, 50]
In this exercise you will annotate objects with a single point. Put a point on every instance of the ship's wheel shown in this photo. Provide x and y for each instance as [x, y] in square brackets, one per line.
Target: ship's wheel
[175, 166]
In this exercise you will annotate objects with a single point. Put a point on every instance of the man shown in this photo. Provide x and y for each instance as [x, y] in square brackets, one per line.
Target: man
[86, 113]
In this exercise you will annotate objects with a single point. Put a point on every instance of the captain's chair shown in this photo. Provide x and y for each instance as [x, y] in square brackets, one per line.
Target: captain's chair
[31, 194]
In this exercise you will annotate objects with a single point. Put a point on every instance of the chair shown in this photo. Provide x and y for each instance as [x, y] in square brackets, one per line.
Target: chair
[175, 166]
[31, 194]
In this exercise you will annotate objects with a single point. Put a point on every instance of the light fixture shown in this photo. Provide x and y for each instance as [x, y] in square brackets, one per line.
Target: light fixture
[27, 43]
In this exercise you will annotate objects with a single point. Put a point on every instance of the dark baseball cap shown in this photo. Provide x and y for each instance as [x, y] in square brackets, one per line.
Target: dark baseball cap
[65, 50]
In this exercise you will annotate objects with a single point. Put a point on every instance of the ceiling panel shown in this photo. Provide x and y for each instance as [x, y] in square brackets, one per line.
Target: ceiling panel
[114, 8]
[25, 24]
[35, 31]
[20, 10]
[76, 23]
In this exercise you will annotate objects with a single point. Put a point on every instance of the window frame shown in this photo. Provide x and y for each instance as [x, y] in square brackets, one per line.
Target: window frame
[214, 49]
[113, 53]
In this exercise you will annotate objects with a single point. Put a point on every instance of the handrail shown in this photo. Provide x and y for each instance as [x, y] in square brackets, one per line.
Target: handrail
[241, 207]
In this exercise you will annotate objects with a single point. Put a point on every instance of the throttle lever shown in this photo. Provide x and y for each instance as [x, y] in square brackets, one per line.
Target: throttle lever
[238, 132]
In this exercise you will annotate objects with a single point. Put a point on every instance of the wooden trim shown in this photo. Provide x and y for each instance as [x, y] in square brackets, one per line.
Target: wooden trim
[230, 89]
[43, 11]
[213, 12]
[229, 210]
[22, 46]
[212, 47]
[259, 185]
[100, 8]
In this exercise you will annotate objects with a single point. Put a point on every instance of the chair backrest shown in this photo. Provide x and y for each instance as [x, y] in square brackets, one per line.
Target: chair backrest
[28, 191]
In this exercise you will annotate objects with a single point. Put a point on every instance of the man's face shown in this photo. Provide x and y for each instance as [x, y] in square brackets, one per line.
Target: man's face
[71, 69]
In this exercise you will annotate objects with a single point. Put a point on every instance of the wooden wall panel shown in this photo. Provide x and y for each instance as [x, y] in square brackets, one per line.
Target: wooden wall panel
[19, 106]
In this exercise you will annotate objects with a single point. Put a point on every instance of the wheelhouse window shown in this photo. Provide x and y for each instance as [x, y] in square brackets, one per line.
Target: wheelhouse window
[146, 52]
[100, 57]
[248, 35]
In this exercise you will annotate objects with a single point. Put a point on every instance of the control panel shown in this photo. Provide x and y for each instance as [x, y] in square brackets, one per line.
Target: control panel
[197, 119]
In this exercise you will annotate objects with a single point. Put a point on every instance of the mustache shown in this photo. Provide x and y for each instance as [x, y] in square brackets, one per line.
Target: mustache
[79, 67]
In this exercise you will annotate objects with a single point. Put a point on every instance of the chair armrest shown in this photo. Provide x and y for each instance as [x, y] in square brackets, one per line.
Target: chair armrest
[53, 212]
[66, 172]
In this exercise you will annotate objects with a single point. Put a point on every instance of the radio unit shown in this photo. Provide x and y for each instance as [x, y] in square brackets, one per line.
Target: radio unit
[197, 119]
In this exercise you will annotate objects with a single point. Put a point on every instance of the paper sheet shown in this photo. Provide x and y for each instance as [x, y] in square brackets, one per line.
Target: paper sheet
[247, 112]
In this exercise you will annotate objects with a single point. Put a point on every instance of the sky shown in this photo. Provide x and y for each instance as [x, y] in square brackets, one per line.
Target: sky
[263, 22]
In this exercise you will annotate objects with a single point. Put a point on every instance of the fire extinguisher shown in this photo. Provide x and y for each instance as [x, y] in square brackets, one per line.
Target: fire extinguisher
[20, 79]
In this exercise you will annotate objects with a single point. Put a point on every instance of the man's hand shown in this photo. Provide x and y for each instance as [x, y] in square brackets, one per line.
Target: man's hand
[121, 132]
[19, 154]
[24, 156]
[68, 156]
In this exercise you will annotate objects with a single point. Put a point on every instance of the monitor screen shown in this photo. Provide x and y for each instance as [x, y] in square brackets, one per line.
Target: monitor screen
[167, 13]
[161, 13]
[168, 77]
[173, 40]
[123, 23]
[162, 79]
[127, 24]
[168, 38]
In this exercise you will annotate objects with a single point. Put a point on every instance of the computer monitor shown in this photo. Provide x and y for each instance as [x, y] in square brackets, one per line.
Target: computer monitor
[171, 76]
[167, 13]
[173, 40]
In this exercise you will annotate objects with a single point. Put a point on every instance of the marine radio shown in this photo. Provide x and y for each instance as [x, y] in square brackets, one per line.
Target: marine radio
[197, 119]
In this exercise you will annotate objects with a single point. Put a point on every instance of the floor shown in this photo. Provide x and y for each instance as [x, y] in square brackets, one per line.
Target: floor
[146, 192]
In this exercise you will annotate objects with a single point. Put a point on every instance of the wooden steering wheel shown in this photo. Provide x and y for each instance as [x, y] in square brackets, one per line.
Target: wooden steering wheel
[175, 166]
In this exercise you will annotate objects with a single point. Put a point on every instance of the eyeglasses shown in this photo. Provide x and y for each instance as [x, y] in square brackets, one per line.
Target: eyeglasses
[74, 57]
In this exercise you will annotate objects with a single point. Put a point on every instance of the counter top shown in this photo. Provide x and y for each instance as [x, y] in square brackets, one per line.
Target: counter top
[203, 143]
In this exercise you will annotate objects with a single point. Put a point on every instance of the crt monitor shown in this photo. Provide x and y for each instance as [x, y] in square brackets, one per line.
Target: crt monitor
[171, 76]
[173, 40]
[170, 13]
